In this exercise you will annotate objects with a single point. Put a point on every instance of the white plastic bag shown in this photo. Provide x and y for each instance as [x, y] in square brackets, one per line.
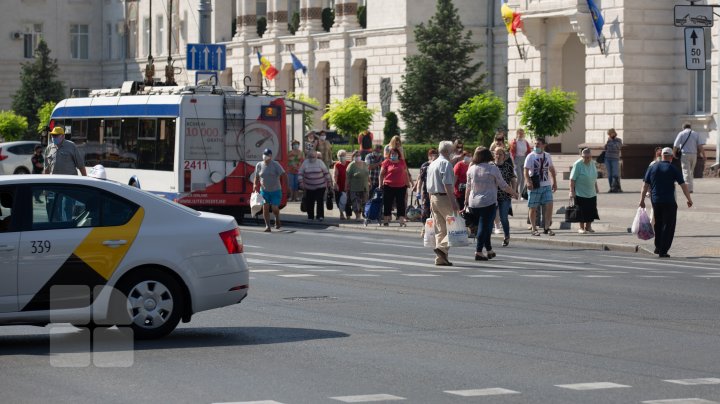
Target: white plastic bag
[342, 201]
[644, 226]
[429, 234]
[456, 232]
[256, 203]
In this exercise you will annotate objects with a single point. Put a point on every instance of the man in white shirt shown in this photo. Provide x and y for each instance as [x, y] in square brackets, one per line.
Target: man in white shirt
[541, 181]
[440, 181]
[689, 143]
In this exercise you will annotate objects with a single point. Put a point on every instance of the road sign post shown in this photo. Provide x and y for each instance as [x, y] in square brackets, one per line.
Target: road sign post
[205, 57]
[695, 48]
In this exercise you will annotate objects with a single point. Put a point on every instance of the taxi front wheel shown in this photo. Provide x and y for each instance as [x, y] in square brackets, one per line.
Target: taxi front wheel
[150, 302]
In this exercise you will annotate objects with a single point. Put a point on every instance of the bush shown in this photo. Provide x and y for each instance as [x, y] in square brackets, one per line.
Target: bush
[546, 114]
[391, 126]
[328, 18]
[12, 126]
[294, 23]
[261, 26]
[362, 16]
[349, 116]
[481, 114]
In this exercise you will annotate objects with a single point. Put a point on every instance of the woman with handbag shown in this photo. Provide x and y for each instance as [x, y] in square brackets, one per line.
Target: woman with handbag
[584, 190]
[394, 179]
[483, 181]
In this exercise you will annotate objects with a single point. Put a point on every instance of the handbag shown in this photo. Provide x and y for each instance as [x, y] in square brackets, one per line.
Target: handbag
[303, 203]
[572, 212]
[678, 152]
[329, 201]
[601, 158]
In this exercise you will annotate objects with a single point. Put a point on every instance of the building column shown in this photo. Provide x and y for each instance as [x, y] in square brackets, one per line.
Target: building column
[345, 16]
[277, 18]
[246, 20]
[310, 17]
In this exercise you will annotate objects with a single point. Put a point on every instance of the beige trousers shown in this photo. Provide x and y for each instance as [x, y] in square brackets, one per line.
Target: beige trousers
[441, 208]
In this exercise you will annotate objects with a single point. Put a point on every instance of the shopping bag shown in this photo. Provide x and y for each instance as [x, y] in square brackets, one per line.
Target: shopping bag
[342, 201]
[645, 228]
[572, 212]
[256, 203]
[456, 232]
[429, 235]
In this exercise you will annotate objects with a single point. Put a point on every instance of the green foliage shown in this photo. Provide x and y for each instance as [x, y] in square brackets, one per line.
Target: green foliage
[294, 23]
[349, 116]
[415, 154]
[391, 125]
[12, 126]
[43, 115]
[546, 114]
[481, 114]
[233, 26]
[362, 16]
[328, 18]
[308, 117]
[38, 85]
[261, 26]
[439, 78]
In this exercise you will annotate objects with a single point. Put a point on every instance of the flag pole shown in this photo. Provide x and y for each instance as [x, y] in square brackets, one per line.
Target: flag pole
[520, 51]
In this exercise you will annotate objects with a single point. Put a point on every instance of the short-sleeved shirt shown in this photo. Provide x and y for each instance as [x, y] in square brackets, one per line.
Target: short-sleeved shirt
[585, 177]
[295, 159]
[612, 148]
[357, 177]
[460, 170]
[507, 170]
[484, 180]
[269, 175]
[374, 172]
[690, 139]
[63, 159]
[395, 173]
[662, 177]
[540, 163]
[440, 173]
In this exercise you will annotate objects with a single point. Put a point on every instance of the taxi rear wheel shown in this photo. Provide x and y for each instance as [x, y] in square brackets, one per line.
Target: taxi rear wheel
[151, 302]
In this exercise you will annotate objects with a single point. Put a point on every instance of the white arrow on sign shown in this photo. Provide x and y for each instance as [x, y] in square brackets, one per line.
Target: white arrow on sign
[192, 51]
[206, 52]
[694, 49]
[219, 58]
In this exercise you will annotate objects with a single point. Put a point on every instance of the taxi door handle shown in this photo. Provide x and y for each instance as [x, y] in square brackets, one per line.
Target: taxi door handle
[5, 248]
[114, 243]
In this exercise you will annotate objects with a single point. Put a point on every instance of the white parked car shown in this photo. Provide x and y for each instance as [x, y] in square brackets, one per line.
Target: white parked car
[15, 156]
[150, 262]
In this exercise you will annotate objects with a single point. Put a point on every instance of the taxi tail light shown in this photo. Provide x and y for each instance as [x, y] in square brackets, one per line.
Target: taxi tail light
[3, 156]
[232, 241]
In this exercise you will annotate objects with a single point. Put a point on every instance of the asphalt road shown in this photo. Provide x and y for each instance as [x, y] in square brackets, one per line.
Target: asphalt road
[338, 316]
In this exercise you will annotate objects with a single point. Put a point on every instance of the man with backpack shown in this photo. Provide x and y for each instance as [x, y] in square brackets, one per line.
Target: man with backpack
[365, 141]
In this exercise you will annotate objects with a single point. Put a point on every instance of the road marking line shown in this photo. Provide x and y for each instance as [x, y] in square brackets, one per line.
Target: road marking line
[652, 276]
[492, 271]
[482, 276]
[297, 275]
[396, 245]
[620, 266]
[444, 272]
[419, 275]
[591, 386]
[676, 264]
[681, 401]
[665, 272]
[533, 264]
[361, 274]
[323, 270]
[538, 276]
[597, 276]
[253, 402]
[382, 270]
[481, 392]
[340, 263]
[707, 276]
[367, 398]
[264, 270]
[533, 259]
[396, 261]
[695, 382]
[611, 272]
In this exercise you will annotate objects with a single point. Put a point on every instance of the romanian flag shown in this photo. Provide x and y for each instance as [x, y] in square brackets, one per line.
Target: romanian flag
[511, 19]
[266, 68]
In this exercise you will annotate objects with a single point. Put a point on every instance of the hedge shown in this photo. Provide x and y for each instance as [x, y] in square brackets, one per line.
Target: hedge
[415, 154]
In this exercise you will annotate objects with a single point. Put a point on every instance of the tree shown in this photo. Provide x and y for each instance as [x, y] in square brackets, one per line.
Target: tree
[43, 115]
[328, 18]
[308, 117]
[38, 85]
[391, 125]
[12, 126]
[261, 25]
[547, 114]
[439, 78]
[349, 116]
[362, 16]
[481, 114]
[294, 23]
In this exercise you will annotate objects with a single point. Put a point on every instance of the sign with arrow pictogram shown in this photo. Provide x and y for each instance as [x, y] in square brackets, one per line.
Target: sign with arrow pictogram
[694, 48]
[205, 56]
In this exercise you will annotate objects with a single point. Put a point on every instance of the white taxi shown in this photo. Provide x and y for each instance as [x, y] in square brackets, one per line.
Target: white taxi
[81, 250]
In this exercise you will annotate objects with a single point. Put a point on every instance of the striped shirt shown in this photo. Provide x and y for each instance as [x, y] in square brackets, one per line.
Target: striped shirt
[313, 174]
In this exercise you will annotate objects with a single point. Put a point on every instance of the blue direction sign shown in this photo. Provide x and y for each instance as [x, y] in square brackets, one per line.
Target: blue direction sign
[205, 56]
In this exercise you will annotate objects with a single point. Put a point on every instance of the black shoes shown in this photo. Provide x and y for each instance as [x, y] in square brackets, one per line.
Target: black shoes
[666, 255]
[480, 257]
[506, 242]
[491, 255]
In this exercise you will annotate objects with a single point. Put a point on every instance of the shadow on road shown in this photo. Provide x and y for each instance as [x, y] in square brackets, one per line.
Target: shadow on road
[181, 338]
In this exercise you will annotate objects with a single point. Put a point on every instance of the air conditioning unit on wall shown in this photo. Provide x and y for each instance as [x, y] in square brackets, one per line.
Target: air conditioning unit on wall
[16, 35]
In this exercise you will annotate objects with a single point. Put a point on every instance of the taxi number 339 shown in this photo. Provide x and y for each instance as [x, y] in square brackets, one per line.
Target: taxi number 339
[196, 165]
[40, 246]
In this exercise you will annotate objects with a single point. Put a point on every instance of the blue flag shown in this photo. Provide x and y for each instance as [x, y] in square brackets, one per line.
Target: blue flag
[297, 64]
[596, 16]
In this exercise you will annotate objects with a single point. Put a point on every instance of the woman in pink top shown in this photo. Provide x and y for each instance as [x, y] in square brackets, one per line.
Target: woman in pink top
[340, 175]
[394, 179]
[460, 170]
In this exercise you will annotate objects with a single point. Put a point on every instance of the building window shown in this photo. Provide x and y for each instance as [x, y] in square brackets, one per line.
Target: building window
[33, 35]
[79, 40]
[146, 36]
[702, 83]
[159, 35]
[261, 8]
[108, 40]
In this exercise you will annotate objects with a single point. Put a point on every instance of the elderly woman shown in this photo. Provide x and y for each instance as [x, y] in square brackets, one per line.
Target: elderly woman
[612, 160]
[394, 179]
[340, 176]
[507, 170]
[584, 189]
[357, 184]
[483, 181]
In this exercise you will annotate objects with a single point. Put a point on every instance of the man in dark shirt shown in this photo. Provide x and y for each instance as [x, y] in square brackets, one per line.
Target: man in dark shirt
[660, 178]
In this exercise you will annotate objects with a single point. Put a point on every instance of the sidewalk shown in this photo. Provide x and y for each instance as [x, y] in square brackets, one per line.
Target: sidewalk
[697, 233]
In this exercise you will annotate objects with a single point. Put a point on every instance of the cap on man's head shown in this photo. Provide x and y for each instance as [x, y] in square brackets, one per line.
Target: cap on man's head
[57, 131]
[667, 151]
[586, 151]
[267, 152]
